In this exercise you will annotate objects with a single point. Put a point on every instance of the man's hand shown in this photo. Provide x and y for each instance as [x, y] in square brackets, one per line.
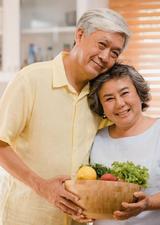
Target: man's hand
[82, 219]
[133, 209]
[53, 191]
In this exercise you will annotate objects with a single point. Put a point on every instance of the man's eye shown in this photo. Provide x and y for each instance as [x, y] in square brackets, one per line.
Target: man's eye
[102, 45]
[125, 93]
[114, 54]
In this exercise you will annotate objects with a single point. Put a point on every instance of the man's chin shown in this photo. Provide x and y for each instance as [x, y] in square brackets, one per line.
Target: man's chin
[94, 73]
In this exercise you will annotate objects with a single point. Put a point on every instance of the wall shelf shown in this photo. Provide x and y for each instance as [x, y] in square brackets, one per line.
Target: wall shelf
[65, 29]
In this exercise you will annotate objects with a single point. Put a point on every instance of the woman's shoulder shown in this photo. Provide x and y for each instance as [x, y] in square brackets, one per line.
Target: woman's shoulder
[157, 123]
[103, 132]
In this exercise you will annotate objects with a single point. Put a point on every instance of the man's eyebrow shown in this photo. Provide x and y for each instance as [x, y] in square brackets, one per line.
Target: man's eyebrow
[106, 41]
[117, 49]
[123, 89]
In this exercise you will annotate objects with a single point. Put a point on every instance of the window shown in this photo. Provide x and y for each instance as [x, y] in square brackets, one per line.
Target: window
[143, 52]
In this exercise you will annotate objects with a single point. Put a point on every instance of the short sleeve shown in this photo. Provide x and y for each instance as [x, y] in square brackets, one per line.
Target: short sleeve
[15, 108]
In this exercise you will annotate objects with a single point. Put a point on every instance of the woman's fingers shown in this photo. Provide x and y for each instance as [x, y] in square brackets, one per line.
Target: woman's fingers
[132, 209]
[139, 195]
[121, 215]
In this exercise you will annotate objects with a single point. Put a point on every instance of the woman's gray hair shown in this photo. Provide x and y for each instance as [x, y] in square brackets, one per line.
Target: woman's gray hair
[118, 71]
[104, 19]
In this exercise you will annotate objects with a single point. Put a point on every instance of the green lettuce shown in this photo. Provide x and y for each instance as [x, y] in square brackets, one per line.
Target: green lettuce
[126, 171]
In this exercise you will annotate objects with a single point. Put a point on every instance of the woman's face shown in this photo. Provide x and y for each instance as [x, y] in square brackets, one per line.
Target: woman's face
[120, 101]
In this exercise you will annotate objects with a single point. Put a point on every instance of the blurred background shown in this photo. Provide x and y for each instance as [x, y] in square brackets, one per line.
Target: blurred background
[37, 30]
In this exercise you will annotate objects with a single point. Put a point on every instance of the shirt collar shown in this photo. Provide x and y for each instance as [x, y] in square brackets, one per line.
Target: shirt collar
[59, 75]
[60, 78]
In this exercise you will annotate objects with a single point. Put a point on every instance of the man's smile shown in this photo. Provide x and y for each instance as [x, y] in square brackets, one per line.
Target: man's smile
[98, 64]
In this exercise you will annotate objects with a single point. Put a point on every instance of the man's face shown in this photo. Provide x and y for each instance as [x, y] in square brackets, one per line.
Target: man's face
[97, 52]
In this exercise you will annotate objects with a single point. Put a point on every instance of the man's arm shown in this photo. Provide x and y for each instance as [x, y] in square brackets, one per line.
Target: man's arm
[52, 190]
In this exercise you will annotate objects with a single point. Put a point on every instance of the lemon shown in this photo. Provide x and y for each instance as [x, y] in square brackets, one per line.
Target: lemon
[86, 173]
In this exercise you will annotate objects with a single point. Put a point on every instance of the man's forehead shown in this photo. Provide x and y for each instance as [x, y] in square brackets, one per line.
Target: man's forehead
[116, 39]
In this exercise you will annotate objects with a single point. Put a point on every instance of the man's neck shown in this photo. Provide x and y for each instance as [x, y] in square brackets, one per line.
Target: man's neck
[73, 76]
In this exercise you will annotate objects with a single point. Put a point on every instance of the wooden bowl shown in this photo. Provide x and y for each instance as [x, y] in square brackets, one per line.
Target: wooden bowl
[101, 198]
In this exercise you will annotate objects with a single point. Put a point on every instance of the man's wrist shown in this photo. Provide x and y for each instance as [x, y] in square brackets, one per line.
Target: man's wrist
[35, 182]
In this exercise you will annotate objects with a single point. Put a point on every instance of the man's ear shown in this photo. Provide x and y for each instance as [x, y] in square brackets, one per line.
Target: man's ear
[79, 34]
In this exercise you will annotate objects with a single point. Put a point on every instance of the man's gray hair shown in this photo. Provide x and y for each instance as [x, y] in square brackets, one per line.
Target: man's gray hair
[104, 19]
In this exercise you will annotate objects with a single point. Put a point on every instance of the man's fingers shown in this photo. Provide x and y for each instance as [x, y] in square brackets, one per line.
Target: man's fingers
[82, 219]
[65, 209]
[71, 206]
[62, 179]
[73, 197]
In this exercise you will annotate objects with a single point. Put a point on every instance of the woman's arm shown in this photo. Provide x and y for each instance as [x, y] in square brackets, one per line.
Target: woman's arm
[143, 203]
[154, 202]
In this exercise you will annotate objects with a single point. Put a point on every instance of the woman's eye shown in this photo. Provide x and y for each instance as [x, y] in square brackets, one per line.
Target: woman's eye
[108, 99]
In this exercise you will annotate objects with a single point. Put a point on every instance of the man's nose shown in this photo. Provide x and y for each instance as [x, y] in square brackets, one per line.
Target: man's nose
[104, 55]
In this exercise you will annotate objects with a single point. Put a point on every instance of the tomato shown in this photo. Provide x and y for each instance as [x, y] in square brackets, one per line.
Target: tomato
[109, 177]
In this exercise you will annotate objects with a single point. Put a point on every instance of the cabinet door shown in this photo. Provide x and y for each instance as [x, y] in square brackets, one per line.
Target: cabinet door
[47, 27]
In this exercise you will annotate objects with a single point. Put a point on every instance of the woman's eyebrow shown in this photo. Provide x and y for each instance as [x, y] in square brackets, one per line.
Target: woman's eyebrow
[111, 94]
[107, 95]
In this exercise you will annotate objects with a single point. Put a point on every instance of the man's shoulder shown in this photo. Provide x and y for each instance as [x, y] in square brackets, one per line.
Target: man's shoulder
[40, 71]
[36, 69]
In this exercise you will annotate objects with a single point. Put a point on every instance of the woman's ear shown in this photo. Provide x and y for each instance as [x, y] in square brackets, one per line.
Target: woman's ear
[104, 116]
[79, 34]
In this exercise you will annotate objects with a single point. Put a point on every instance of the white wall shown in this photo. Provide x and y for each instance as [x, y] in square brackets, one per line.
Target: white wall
[83, 5]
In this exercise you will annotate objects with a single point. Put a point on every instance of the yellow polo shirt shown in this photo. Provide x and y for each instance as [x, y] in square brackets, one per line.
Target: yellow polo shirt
[52, 128]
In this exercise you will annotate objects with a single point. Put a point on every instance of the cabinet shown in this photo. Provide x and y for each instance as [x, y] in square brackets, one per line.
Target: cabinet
[43, 27]
[47, 27]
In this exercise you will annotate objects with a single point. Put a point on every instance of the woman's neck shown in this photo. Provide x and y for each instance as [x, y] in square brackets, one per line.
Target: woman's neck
[138, 127]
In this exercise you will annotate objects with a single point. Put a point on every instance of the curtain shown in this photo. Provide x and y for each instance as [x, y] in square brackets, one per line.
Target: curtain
[143, 51]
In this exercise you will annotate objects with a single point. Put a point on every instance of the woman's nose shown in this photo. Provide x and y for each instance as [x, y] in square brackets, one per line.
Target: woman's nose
[120, 102]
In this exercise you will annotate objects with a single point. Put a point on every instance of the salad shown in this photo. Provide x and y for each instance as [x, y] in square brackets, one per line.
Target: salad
[119, 171]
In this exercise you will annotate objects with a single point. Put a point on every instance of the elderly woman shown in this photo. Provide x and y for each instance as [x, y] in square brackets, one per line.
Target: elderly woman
[121, 95]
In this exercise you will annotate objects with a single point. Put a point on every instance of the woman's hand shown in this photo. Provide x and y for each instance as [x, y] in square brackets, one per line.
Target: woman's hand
[133, 209]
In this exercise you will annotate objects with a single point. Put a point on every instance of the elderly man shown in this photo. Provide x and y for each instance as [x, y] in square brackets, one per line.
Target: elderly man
[47, 128]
